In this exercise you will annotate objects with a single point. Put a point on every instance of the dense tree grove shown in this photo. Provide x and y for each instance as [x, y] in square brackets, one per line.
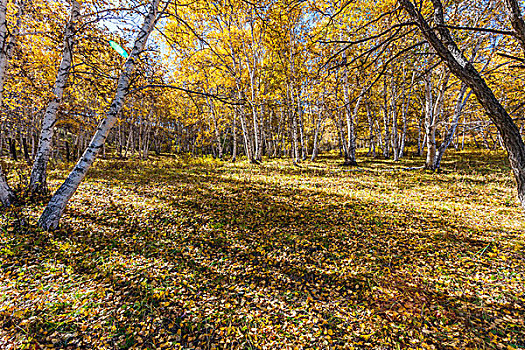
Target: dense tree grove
[272, 174]
[262, 79]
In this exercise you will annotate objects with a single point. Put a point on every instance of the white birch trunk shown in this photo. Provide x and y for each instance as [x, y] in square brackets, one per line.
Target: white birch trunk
[393, 110]
[7, 196]
[350, 132]
[371, 139]
[304, 150]
[317, 131]
[7, 43]
[386, 140]
[432, 113]
[461, 102]
[448, 51]
[234, 135]
[430, 130]
[405, 116]
[215, 126]
[7, 40]
[38, 179]
[55, 208]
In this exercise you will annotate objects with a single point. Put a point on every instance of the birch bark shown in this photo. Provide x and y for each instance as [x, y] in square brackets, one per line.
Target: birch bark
[7, 43]
[386, 126]
[433, 110]
[7, 197]
[7, 40]
[371, 139]
[395, 134]
[448, 51]
[56, 206]
[38, 178]
[234, 134]
[460, 104]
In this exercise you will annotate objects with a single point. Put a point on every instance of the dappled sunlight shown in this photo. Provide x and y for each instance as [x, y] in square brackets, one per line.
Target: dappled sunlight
[211, 254]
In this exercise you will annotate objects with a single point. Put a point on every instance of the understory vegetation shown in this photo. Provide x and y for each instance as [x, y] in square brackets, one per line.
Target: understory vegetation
[195, 253]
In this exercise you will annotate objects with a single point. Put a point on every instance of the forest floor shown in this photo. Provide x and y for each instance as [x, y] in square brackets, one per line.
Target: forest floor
[194, 253]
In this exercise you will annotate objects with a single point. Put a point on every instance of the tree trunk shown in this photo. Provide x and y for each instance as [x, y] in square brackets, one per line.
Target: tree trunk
[12, 149]
[216, 127]
[234, 134]
[386, 139]
[516, 20]
[433, 110]
[351, 126]
[7, 196]
[461, 102]
[395, 137]
[304, 151]
[26, 150]
[6, 48]
[7, 40]
[371, 138]
[317, 131]
[448, 51]
[246, 138]
[405, 109]
[350, 158]
[38, 179]
[55, 208]
[295, 154]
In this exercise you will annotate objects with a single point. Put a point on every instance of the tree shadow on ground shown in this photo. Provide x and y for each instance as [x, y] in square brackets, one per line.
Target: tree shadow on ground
[219, 260]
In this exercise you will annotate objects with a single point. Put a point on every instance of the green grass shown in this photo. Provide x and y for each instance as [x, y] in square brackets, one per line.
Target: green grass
[196, 253]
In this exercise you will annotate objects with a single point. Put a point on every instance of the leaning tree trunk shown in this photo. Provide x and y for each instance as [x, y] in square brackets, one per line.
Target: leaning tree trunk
[55, 208]
[37, 182]
[449, 52]
[461, 102]
[516, 20]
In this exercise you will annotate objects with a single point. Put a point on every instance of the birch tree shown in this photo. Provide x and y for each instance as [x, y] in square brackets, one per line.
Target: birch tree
[37, 182]
[7, 42]
[460, 105]
[433, 110]
[446, 48]
[50, 218]
[458, 109]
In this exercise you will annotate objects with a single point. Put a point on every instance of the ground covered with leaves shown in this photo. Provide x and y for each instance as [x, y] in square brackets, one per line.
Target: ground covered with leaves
[192, 253]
